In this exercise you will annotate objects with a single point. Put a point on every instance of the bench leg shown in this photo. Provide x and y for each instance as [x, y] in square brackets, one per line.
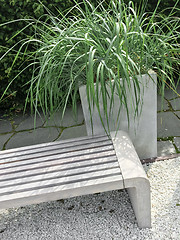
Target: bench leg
[140, 199]
[134, 176]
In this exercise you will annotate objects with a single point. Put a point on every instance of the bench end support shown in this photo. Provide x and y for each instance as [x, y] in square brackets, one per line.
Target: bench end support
[134, 177]
[140, 198]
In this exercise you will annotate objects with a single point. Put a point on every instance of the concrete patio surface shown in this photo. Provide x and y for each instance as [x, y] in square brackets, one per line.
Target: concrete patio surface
[18, 130]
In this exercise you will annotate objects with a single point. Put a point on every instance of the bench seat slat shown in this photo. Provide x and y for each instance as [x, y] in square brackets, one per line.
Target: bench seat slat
[60, 181]
[55, 160]
[45, 169]
[64, 145]
[57, 174]
[59, 188]
[62, 191]
[71, 152]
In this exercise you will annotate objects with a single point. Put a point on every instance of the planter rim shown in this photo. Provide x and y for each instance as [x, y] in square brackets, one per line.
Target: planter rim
[150, 72]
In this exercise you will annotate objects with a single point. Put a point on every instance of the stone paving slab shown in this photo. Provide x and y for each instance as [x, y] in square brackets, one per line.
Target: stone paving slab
[69, 118]
[3, 140]
[167, 124]
[73, 132]
[165, 148]
[177, 142]
[5, 126]
[32, 137]
[177, 113]
[161, 105]
[18, 118]
[29, 123]
[169, 94]
[175, 103]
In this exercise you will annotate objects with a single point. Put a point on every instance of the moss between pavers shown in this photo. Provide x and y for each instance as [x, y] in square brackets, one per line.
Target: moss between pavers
[177, 114]
[27, 138]
[14, 140]
[4, 138]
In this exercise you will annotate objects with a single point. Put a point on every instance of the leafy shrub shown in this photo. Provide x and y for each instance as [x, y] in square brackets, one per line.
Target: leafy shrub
[12, 10]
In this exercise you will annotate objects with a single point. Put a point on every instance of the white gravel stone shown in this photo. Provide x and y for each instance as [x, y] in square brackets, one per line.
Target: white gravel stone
[104, 216]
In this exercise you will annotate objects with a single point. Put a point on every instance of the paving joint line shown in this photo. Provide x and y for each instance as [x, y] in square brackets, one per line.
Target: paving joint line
[58, 135]
[63, 128]
[169, 104]
[29, 129]
[168, 110]
[14, 132]
[4, 145]
[52, 126]
[171, 109]
[176, 115]
[169, 138]
[171, 99]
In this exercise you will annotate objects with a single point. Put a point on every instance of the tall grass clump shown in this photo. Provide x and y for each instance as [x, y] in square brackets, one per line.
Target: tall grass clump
[93, 45]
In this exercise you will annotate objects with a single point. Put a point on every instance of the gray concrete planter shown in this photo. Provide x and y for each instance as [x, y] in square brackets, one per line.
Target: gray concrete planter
[142, 131]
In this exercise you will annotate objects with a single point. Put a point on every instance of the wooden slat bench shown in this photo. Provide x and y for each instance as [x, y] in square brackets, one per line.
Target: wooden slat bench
[64, 169]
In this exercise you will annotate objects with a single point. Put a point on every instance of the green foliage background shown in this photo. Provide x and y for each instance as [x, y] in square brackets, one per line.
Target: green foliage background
[11, 10]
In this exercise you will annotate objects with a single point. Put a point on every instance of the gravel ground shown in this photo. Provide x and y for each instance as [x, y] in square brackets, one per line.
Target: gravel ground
[101, 216]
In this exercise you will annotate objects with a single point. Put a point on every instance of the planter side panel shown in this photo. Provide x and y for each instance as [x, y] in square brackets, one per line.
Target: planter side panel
[142, 131]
